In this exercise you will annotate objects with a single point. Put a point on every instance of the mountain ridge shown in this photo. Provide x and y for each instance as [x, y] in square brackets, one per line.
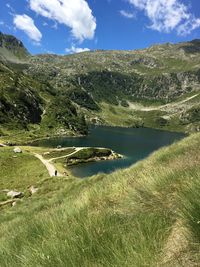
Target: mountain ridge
[117, 219]
[87, 82]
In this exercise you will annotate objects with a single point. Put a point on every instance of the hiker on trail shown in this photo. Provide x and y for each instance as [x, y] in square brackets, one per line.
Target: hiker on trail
[56, 172]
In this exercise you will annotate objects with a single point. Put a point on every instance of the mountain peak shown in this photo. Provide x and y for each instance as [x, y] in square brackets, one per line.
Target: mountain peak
[11, 48]
[196, 41]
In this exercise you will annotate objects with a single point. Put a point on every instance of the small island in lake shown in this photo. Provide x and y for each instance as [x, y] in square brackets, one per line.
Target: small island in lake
[60, 158]
[89, 154]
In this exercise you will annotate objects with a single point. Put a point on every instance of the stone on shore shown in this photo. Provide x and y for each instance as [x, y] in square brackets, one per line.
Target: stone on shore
[17, 150]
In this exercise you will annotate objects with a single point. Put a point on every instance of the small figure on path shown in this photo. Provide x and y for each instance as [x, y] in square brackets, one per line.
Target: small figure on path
[56, 172]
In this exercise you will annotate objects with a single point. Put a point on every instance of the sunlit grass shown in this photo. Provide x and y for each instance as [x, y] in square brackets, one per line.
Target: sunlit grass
[127, 218]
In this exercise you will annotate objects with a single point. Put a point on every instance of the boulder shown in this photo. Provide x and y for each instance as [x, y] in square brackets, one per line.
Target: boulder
[17, 150]
[14, 203]
[2, 145]
[15, 194]
[33, 190]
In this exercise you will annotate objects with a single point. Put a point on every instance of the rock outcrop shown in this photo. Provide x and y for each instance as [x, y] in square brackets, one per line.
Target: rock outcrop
[15, 194]
[17, 150]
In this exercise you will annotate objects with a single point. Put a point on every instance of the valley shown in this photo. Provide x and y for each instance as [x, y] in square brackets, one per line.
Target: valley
[95, 87]
[127, 122]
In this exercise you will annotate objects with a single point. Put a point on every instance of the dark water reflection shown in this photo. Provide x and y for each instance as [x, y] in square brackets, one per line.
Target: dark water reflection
[134, 144]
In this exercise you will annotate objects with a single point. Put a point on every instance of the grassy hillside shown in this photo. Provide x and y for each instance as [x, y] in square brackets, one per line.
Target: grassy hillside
[147, 215]
[48, 95]
[19, 172]
[105, 84]
[35, 108]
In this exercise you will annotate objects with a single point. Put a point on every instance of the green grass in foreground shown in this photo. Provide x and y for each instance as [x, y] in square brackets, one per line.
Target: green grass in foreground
[147, 215]
[19, 170]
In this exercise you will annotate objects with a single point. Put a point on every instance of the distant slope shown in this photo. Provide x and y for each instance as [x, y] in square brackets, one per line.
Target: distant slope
[27, 103]
[147, 215]
[100, 87]
[157, 75]
[11, 49]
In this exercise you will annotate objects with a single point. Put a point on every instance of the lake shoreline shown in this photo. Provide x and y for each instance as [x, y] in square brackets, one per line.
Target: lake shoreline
[6, 142]
[133, 143]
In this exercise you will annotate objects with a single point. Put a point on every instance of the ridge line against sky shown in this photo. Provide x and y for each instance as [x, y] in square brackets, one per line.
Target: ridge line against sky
[71, 26]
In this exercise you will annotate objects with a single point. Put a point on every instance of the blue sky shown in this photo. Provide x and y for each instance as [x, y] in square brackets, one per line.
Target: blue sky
[69, 26]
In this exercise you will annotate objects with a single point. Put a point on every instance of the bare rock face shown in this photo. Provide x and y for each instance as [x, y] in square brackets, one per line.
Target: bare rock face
[15, 194]
[17, 150]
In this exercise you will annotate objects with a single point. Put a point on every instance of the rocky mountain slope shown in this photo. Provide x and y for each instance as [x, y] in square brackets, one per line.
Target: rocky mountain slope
[63, 91]
[12, 49]
[28, 103]
[159, 72]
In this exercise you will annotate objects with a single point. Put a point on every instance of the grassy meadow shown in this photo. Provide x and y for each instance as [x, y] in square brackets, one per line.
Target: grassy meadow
[147, 215]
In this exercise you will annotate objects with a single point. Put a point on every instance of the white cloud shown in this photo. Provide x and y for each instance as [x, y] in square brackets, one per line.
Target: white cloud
[126, 14]
[1, 22]
[55, 26]
[74, 49]
[75, 14]
[168, 15]
[189, 26]
[10, 7]
[44, 24]
[26, 24]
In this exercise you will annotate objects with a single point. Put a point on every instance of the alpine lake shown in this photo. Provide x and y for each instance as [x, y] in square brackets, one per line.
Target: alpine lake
[133, 143]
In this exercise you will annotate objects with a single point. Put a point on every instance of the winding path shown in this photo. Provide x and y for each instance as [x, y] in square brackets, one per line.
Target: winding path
[50, 167]
[140, 107]
[68, 155]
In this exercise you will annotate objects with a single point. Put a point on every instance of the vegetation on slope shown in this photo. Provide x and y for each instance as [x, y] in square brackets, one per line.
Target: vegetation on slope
[181, 115]
[159, 74]
[26, 103]
[147, 215]
[47, 95]
[12, 49]
[61, 115]
[20, 102]
[19, 171]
